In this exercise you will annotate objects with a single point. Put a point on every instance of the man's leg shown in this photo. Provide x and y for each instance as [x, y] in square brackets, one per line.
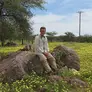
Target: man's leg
[52, 61]
[44, 62]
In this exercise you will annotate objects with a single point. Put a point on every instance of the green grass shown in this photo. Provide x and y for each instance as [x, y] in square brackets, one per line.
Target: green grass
[84, 51]
[5, 50]
[10, 49]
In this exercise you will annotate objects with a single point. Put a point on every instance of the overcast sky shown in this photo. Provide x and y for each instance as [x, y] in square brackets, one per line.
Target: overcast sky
[61, 16]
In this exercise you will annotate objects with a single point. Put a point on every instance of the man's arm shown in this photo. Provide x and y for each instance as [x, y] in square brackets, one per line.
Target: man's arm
[47, 47]
[37, 45]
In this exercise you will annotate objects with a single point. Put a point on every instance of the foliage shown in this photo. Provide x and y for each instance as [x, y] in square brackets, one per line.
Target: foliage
[51, 35]
[85, 38]
[70, 37]
[14, 18]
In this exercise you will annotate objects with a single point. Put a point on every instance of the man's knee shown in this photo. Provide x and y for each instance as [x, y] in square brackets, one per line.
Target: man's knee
[43, 60]
[51, 58]
[42, 57]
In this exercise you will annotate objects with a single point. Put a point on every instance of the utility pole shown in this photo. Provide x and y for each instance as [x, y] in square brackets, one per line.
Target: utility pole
[80, 12]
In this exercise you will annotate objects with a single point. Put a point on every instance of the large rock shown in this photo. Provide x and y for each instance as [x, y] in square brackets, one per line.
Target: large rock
[35, 65]
[70, 80]
[66, 57]
[54, 78]
[77, 82]
[22, 62]
[18, 64]
[12, 68]
[26, 48]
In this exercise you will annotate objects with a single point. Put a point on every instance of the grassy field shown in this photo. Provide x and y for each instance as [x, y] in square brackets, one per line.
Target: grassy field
[32, 82]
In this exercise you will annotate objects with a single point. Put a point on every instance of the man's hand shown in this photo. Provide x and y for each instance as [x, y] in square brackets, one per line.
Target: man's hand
[45, 53]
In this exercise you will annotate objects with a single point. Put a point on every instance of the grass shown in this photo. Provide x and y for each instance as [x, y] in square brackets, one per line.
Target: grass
[5, 50]
[10, 49]
[84, 51]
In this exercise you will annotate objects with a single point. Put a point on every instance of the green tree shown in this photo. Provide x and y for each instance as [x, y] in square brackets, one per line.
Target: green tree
[51, 33]
[69, 36]
[14, 18]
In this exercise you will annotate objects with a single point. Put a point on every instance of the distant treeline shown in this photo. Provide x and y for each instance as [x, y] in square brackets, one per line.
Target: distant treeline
[68, 37]
[85, 38]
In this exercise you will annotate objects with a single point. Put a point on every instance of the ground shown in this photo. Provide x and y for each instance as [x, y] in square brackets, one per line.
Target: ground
[34, 82]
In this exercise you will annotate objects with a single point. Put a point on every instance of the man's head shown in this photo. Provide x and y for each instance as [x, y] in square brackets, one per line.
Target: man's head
[42, 31]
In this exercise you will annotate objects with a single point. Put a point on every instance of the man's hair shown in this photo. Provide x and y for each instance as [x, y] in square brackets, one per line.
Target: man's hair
[42, 28]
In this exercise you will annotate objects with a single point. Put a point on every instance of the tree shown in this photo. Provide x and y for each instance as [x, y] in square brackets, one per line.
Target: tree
[15, 14]
[69, 36]
[51, 35]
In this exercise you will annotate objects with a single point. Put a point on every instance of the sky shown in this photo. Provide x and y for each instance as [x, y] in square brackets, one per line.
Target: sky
[62, 16]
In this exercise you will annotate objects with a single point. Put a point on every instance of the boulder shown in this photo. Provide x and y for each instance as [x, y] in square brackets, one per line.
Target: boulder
[66, 57]
[22, 62]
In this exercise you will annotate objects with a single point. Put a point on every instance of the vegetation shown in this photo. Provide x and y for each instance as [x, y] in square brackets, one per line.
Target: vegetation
[15, 25]
[69, 37]
[51, 35]
[14, 18]
[33, 82]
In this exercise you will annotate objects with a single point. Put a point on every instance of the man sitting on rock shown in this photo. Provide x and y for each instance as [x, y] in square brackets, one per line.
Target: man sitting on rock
[42, 49]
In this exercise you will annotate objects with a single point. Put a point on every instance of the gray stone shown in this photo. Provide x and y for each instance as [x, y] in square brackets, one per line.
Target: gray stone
[66, 57]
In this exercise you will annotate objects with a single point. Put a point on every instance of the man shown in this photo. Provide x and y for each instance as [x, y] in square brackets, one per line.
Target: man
[42, 49]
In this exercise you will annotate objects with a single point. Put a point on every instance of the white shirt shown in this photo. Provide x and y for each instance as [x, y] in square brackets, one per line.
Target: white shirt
[41, 44]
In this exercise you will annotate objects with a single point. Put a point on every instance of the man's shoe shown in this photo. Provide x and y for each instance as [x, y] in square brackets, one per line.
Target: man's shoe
[56, 72]
[50, 73]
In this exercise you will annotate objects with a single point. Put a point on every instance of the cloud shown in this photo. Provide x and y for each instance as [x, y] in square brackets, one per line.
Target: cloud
[40, 19]
[62, 24]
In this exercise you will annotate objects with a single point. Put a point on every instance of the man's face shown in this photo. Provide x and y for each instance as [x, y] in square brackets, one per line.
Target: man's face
[42, 32]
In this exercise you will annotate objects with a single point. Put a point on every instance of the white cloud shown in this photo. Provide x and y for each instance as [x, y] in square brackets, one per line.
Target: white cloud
[47, 18]
[61, 24]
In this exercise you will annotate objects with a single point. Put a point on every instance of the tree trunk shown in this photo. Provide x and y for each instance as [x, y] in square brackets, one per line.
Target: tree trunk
[2, 41]
[22, 41]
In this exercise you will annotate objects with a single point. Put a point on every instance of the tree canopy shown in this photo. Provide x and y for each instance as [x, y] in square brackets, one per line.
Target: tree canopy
[51, 33]
[14, 18]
